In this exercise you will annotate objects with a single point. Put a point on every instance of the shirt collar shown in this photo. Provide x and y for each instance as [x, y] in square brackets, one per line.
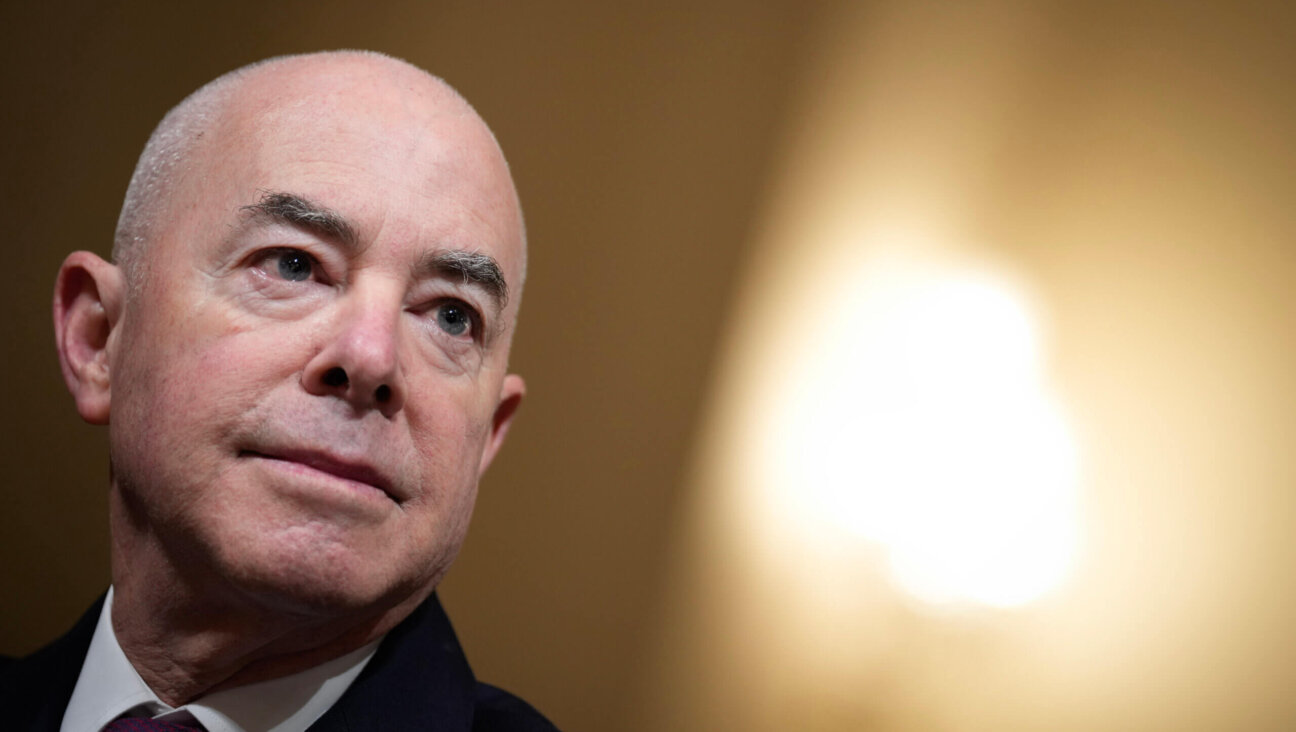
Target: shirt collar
[109, 686]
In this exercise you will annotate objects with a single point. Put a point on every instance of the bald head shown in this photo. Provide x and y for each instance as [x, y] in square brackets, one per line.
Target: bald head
[302, 361]
[305, 371]
[170, 158]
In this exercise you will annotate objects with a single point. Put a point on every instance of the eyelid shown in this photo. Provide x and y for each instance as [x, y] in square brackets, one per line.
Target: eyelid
[476, 323]
[319, 272]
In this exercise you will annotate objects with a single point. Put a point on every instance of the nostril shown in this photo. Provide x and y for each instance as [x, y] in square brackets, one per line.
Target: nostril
[382, 394]
[335, 376]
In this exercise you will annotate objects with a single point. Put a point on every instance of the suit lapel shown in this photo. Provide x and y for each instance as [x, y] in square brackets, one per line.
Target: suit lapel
[35, 690]
[418, 679]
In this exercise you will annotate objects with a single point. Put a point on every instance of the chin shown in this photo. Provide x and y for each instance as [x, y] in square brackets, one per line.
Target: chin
[318, 592]
[329, 579]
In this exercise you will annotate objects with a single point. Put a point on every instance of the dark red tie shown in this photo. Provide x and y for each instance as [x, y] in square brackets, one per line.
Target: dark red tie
[145, 724]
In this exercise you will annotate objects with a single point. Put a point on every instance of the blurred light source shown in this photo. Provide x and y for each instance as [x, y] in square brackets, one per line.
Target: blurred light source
[917, 416]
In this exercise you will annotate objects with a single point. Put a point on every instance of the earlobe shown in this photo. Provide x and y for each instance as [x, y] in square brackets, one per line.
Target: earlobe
[87, 307]
[511, 392]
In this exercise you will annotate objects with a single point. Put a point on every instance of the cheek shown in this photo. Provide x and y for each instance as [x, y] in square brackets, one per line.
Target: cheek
[453, 409]
[175, 399]
[448, 428]
[190, 381]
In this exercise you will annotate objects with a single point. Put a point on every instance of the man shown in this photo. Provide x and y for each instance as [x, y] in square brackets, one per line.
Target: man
[301, 353]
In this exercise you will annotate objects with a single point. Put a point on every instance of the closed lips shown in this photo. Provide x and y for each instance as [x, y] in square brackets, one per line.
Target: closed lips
[355, 471]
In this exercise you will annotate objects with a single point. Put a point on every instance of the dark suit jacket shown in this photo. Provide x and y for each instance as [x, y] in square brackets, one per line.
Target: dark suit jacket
[417, 680]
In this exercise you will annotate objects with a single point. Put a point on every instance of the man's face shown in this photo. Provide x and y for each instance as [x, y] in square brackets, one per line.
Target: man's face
[307, 383]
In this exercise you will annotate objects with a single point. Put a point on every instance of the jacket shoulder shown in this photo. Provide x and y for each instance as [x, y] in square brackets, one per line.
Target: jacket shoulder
[497, 710]
[35, 690]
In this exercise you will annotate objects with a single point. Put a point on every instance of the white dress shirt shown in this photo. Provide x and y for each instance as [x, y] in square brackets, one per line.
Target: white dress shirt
[109, 687]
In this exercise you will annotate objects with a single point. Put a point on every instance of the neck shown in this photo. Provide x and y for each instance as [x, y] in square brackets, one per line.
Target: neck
[189, 632]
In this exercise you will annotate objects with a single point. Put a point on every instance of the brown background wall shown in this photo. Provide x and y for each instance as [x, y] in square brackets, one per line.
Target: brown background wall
[638, 138]
[1132, 161]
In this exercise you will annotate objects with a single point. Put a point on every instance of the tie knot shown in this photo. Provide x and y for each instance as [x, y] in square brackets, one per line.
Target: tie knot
[146, 724]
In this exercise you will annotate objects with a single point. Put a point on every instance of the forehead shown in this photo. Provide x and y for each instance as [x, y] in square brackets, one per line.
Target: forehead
[395, 152]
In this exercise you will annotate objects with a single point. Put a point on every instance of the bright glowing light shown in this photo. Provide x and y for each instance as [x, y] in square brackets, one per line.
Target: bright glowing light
[919, 418]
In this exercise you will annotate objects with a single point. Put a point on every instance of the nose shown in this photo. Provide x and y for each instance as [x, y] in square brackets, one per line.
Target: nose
[359, 360]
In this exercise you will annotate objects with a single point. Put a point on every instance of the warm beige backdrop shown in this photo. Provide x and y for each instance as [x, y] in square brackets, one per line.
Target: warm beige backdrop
[639, 140]
[1132, 162]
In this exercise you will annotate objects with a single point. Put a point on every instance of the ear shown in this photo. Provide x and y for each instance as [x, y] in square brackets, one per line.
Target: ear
[87, 306]
[512, 389]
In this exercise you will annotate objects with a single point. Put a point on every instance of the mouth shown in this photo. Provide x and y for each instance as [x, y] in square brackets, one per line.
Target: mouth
[349, 471]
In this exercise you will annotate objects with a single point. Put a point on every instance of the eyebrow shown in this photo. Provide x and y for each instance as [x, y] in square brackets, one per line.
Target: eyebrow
[471, 267]
[301, 212]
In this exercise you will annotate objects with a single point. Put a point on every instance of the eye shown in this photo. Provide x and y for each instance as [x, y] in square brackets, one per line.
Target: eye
[295, 265]
[455, 318]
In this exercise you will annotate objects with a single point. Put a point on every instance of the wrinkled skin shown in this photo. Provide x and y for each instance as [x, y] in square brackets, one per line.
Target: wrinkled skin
[298, 421]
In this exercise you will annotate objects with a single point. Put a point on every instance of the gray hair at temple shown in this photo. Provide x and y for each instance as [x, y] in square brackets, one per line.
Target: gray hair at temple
[161, 167]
